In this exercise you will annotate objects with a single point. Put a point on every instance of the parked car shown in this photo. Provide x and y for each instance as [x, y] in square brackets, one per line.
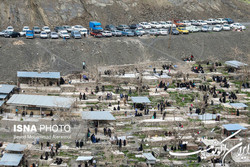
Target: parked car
[229, 21]
[163, 32]
[96, 33]
[76, 34]
[238, 26]
[201, 22]
[84, 31]
[9, 28]
[43, 35]
[153, 32]
[193, 29]
[155, 24]
[182, 30]
[194, 23]
[137, 32]
[78, 27]
[186, 22]
[11, 34]
[22, 33]
[26, 28]
[164, 24]
[217, 28]
[145, 25]
[54, 35]
[128, 33]
[110, 27]
[206, 28]
[36, 30]
[116, 33]
[220, 21]
[29, 34]
[106, 33]
[2, 33]
[58, 29]
[68, 28]
[46, 29]
[226, 27]
[134, 26]
[143, 32]
[211, 21]
[173, 31]
[122, 27]
[178, 23]
[64, 34]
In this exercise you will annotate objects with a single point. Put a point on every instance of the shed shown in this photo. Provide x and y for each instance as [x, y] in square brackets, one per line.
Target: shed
[232, 128]
[238, 105]
[235, 63]
[11, 159]
[15, 147]
[140, 99]
[84, 158]
[6, 89]
[150, 158]
[28, 74]
[98, 116]
[3, 96]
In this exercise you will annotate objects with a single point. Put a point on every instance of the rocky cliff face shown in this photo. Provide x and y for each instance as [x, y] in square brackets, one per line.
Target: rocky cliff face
[57, 12]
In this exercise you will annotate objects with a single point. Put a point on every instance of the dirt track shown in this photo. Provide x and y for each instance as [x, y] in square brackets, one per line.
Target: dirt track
[67, 56]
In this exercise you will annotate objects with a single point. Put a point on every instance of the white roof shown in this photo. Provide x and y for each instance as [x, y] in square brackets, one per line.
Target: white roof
[98, 115]
[84, 158]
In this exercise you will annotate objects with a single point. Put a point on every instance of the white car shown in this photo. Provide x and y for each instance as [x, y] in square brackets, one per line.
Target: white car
[9, 28]
[238, 26]
[64, 34]
[211, 21]
[106, 34]
[143, 32]
[164, 24]
[217, 28]
[68, 28]
[220, 21]
[43, 35]
[145, 25]
[193, 29]
[54, 35]
[78, 27]
[186, 22]
[226, 27]
[83, 31]
[26, 28]
[46, 29]
[23, 32]
[170, 24]
[202, 22]
[163, 32]
[155, 24]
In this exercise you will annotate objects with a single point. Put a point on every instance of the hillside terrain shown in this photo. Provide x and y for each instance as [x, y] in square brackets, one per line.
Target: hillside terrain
[57, 12]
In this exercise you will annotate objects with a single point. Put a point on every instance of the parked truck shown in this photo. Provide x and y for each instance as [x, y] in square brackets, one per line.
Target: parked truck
[95, 28]
[29, 34]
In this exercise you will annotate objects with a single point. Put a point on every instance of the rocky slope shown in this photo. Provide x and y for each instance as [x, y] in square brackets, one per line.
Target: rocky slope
[57, 12]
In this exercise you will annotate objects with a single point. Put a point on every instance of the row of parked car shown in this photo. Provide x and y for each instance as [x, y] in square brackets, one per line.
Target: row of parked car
[174, 27]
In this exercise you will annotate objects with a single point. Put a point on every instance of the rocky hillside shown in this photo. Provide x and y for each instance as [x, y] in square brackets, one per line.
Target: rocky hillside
[57, 12]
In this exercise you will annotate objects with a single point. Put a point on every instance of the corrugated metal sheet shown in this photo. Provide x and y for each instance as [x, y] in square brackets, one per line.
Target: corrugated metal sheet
[207, 116]
[40, 101]
[6, 89]
[164, 76]
[98, 115]
[1, 103]
[238, 105]
[149, 156]
[84, 158]
[11, 159]
[2, 96]
[28, 74]
[15, 147]
[142, 99]
[230, 127]
[235, 63]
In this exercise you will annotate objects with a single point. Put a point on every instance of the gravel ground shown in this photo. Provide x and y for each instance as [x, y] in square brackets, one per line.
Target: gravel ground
[67, 56]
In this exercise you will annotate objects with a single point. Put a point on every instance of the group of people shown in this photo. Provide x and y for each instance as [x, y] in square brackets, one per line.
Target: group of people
[187, 85]
[191, 58]
[79, 143]
[82, 96]
[198, 69]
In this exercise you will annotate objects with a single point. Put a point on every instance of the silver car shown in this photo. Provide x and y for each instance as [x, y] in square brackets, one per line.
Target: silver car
[54, 35]
[116, 33]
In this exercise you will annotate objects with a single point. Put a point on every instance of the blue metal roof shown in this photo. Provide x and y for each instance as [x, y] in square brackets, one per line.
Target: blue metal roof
[235, 63]
[40, 101]
[15, 147]
[98, 115]
[207, 116]
[238, 105]
[141, 99]
[28, 74]
[1, 103]
[6, 89]
[230, 127]
[11, 159]
[3, 96]
[149, 156]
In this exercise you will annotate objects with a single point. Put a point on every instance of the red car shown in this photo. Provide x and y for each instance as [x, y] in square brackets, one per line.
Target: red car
[96, 34]
[178, 23]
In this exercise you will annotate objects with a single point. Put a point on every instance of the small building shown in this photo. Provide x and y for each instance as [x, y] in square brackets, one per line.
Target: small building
[229, 129]
[13, 147]
[38, 103]
[150, 158]
[81, 160]
[235, 64]
[140, 102]
[6, 91]
[238, 105]
[38, 78]
[97, 116]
